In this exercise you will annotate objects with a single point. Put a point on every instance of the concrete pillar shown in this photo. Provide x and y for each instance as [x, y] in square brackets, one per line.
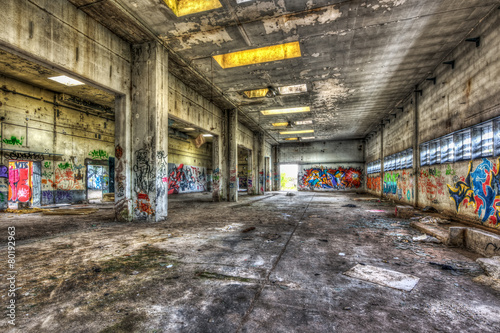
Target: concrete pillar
[276, 169]
[233, 154]
[416, 146]
[382, 172]
[216, 164]
[250, 172]
[261, 164]
[4, 184]
[142, 139]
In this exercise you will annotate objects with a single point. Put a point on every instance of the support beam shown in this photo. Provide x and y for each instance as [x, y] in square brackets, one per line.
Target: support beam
[276, 169]
[416, 147]
[216, 173]
[233, 154]
[149, 129]
[250, 172]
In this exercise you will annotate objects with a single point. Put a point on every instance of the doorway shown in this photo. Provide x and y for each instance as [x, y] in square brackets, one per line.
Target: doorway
[289, 175]
[97, 181]
[25, 184]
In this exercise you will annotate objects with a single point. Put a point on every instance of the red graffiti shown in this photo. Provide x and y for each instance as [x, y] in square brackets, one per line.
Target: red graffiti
[118, 152]
[142, 196]
[374, 183]
[19, 189]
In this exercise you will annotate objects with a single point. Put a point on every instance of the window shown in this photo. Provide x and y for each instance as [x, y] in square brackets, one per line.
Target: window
[424, 154]
[462, 145]
[434, 152]
[409, 158]
[447, 149]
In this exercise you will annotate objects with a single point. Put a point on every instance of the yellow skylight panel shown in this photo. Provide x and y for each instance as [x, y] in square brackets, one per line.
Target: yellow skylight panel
[297, 132]
[256, 93]
[280, 124]
[260, 55]
[291, 139]
[186, 7]
[288, 110]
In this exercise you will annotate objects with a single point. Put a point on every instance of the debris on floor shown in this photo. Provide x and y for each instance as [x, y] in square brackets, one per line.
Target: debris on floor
[24, 211]
[108, 197]
[433, 220]
[79, 211]
[404, 212]
[350, 206]
[430, 209]
[290, 194]
[248, 229]
[384, 277]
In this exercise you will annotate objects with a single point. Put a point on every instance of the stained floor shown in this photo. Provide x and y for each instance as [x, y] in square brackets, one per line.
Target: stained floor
[271, 263]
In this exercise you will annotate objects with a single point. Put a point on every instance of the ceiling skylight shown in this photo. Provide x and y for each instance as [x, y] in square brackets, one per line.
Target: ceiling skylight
[256, 93]
[303, 122]
[280, 124]
[260, 55]
[67, 81]
[186, 7]
[291, 139]
[288, 110]
[308, 138]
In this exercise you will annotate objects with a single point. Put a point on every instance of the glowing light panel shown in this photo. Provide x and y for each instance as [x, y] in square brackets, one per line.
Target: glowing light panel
[291, 139]
[297, 132]
[288, 110]
[280, 124]
[296, 89]
[303, 122]
[186, 7]
[256, 93]
[67, 81]
[260, 55]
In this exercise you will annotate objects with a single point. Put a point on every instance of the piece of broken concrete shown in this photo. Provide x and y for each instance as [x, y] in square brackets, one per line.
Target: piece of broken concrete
[404, 212]
[491, 266]
[384, 277]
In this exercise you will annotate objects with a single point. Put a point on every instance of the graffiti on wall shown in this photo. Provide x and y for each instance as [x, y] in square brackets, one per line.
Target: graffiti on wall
[19, 181]
[186, 178]
[399, 184]
[13, 140]
[481, 189]
[161, 174]
[431, 183]
[322, 178]
[99, 154]
[243, 179]
[97, 178]
[24, 156]
[373, 183]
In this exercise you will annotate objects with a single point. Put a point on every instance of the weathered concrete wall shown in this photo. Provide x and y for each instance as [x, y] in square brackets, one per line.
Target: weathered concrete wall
[322, 152]
[462, 96]
[245, 137]
[64, 138]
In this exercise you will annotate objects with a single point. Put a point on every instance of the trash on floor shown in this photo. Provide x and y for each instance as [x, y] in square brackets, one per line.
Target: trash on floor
[290, 194]
[376, 211]
[429, 209]
[350, 206]
[383, 277]
[433, 220]
[404, 212]
[248, 230]
[79, 211]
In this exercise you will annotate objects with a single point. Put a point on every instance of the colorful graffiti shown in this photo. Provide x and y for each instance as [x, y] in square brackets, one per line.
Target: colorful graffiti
[242, 180]
[20, 181]
[97, 178]
[374, 183]
[322, 178]
[481, 189]
[431, 184]
[399, 184]
[99, 154]
[14, 141]
[185, 178]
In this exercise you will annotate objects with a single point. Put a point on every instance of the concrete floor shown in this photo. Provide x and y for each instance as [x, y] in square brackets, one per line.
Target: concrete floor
[199, 272]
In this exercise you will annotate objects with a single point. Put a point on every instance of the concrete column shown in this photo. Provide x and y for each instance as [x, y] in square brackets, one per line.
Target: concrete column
[142, 139]
[382, 172]
[233, 154]
[416, 146]
[250, 172]
[276, 169]
[216, 164]
[261, 164]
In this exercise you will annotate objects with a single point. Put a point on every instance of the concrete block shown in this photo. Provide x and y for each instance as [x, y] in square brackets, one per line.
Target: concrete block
[404, 212]
[482, 242]
[456, 236]
[491, 266]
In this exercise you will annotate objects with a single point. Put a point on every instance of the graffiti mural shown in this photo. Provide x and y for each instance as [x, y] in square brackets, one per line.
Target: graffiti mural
[399, 184]
[373, 183]
[186, 178]
[481, 189]
[97, 178]
[243, 179]
[14, 141]
[432, 184]
[322, 178]
[19, 181]
[99, 154]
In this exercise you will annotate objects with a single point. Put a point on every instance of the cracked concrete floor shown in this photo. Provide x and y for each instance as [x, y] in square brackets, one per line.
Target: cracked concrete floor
[199, 272]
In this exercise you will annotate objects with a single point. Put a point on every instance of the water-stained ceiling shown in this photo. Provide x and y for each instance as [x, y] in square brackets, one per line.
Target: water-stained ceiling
[359, 58]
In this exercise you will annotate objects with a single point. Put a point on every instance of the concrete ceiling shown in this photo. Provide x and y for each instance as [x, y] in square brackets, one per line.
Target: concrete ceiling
[360, 58]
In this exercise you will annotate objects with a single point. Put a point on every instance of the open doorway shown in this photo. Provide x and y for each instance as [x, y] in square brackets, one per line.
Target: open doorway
[97, 181]
[289, 174]
[24, 184]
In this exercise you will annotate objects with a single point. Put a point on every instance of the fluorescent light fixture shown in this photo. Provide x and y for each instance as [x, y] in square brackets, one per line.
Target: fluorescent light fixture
[291, 139]
[186, 7]
[288, 110]
[256, 93]
[242, 1]
[303, 122]
[260, 55]
[67, 81]
[295, 89]
[207, 135]
[297, 132]
[309, 138]
[280, 124]
[190, 129]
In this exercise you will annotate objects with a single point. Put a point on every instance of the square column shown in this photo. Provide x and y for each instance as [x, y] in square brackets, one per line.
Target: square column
[233, 154]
